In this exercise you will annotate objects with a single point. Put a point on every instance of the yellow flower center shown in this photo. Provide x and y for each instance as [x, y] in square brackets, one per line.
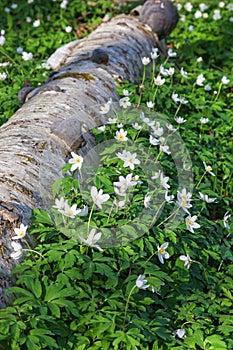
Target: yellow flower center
[21, 234]
[208, 168]
[189, 222]
[162, 251]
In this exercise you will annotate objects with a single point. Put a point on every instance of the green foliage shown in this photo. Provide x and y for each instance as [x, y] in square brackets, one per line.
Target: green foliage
[73, 295]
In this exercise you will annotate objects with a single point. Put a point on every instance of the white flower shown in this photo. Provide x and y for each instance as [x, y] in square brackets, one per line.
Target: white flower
[124, 183]
[157, 130]
[162, 254]
[221, 4]
[187, 260]
[60, 203]
[208, 169]
[207, 87]
[204, 120]
[175, 97]
[120, 125]
[125, 102]
[147, 120]
[179, 7]
[154, 141]
[70, 212]
[126, 92]
[2, 40]
[141, 282]
[163, 71]
[230, 7]
[190, 223]
[92, 239]
[199, 59]
[105, 108]
[180, 333]
[112, 121]
[224, 80]
[198, 14]
[183, 101]
[20, 232]
[188, 6]
[28, 19]
[155, 53]
[205, 15]
[184, 199]
[171, 53]
[145, 60]
[164, 181]
[64, 4]
[170, 127]
[121, 135]
[14, 6]
[147, 199]
[183, 73]
[19, 50]
[217, 15]
[191, 28]
[169, 198]
[128, 158]
[159, 81]
[225, 219]
[18, 250]
[164, 148]
[136, 126]
[68, 29]
[203, 7]
[200, 80]
[27, 56]
[206, 198]
[170, 71]
[7, 10]
[36, 23]
[119, 204]
[3, 76]
[180, 120]
[98, 197]
[76, 161]
[156, 175]
[101, 128]
[150, 104]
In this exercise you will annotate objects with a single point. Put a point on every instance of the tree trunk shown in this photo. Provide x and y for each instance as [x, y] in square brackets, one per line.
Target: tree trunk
[36, 142]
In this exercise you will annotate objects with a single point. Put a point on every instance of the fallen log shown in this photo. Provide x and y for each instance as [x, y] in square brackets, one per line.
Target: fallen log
[53, 118]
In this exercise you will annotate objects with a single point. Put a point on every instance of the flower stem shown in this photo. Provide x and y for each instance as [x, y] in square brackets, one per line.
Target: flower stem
[127, 305]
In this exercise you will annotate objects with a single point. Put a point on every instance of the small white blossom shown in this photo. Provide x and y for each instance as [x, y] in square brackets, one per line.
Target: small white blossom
[200, 59]
[126, 92]
[200, 80]
[2, 40]
[162, 253]
[124, 184]
[64, 4]
[180, 120]
[125, 102]
[221, 4]
[72, 211]
[154, 54]
[207, 87]
[206, 198]
[154, 141]
[27, 56]
[60, 203]
[183, 199]
[205, 15]
[101, 128]
[14, 6]
[147, 199]
[20, 232]
[183, 101]
[175, 97]
[145, 61]
[3, 76]
[187, 260]
[164, 181]
[98, 197]
[191, 28]
[183, 73]
[119, 204]
[224, 80]
[188, 6]
[208, 169]
[36, 23]
[179, 7]
[141, 282]
[129, 159]
[190, 223]
[136, 126]
[76, 161]
[121, 135]
[230, 7]
[170, 127]
[204, 120]
[164, 148]
[171, 53]
[68, 29]
[112, 121]
[105, 108]
[18, 250]
[198, 14]
[150, 104]
[217, 15]
[169, 198]
[159, 81]
[180, 333]
[203, 7]
[225, 220]
[7, 10]
[92, 239]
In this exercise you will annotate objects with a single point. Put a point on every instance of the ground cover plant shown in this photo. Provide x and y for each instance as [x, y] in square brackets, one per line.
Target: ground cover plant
[150, 266]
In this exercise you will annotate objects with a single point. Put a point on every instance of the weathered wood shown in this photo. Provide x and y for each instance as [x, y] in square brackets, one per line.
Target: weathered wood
[38, 139]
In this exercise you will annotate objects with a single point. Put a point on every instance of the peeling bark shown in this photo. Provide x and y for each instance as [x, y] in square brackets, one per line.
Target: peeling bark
[36, 142]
